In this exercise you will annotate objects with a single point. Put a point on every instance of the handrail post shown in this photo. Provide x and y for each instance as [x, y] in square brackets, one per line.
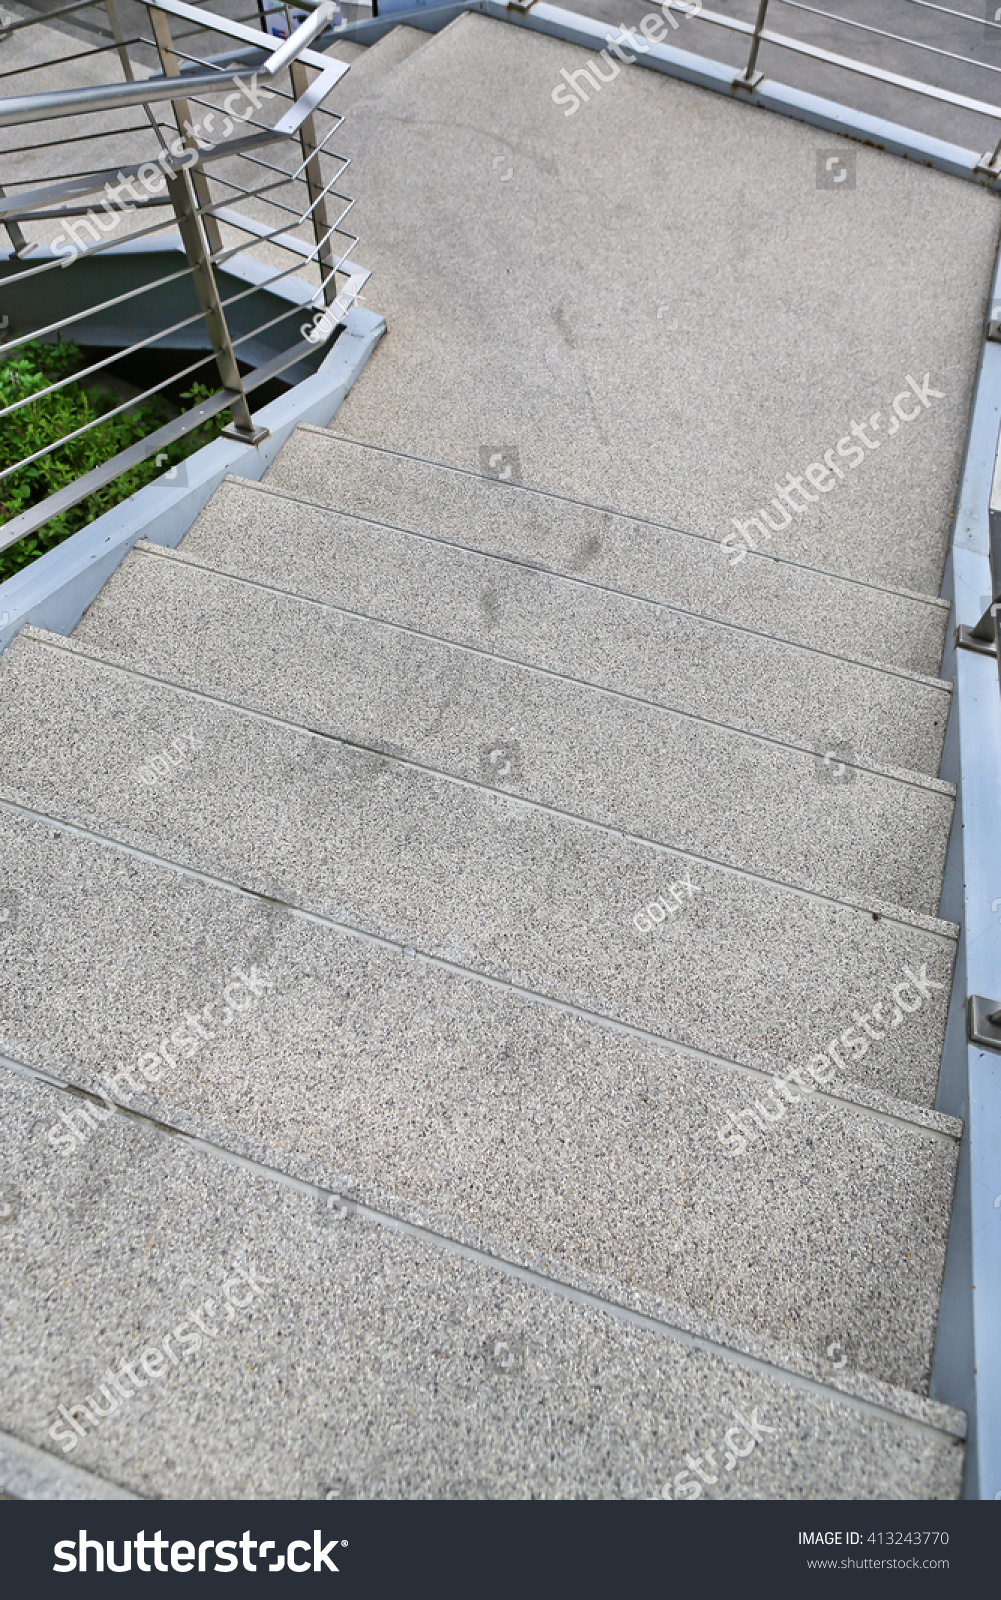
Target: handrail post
[182, 116]
[190, 198]
[751, 78]
[314, 185]
[196, 248]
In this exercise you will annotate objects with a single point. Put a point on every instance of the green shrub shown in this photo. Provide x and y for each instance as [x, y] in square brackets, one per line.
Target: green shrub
[33, 367]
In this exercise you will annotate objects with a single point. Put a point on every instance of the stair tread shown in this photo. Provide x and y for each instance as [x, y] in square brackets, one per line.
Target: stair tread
[470, 875]
[371, 65]
[397, 1346]
[783, 599]
[723, 673]
[793, 814]
[589, 1157]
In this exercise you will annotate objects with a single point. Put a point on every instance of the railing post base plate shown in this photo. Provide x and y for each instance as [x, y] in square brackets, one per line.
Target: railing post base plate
[984, 1031]
[244, 435]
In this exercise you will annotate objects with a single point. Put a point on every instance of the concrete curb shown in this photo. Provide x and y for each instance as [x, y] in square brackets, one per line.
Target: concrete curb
[55, 591]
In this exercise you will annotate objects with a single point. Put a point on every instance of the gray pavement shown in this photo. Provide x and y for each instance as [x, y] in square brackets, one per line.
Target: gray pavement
[799, 310]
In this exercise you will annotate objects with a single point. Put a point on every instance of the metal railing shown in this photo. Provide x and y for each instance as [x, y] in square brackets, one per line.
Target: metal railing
[800, 14]
[261, 225]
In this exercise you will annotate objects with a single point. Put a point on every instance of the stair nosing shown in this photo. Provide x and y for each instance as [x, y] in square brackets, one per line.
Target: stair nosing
[890, 669]
[895, 914]
[909, 776]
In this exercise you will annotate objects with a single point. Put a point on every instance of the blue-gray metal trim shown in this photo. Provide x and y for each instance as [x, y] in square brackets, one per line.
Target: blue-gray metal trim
[966, 1371]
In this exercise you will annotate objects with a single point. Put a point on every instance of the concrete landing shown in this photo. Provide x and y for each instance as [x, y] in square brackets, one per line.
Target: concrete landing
[653, 304]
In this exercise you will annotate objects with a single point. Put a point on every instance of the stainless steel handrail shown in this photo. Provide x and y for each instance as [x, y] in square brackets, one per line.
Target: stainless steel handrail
[759, 35]
[174, 180]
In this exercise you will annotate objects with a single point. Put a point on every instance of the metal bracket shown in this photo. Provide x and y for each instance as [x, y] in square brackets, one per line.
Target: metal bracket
[984, 1022]
[983, 635]
[520, 5]
[994, 328]
[750, 79]
[253, 435]
[966, 639]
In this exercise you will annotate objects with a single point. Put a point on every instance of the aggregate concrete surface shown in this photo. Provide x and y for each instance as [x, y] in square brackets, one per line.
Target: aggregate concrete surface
[736, 677]
[421, 1374]
[791, 601]
[845, 829]
[469, 874]
[370, 1071]
[332, 840]
[527, 313]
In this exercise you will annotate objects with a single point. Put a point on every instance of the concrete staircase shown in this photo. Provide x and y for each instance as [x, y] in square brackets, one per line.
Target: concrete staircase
[456, 877]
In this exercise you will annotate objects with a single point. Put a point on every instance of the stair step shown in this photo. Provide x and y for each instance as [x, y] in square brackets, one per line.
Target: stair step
[606, 549]
[785, 812]
[460, 880]
[589, 1157]
[370, 65]
[725, 674]
[742, 967]
[401, 1348]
